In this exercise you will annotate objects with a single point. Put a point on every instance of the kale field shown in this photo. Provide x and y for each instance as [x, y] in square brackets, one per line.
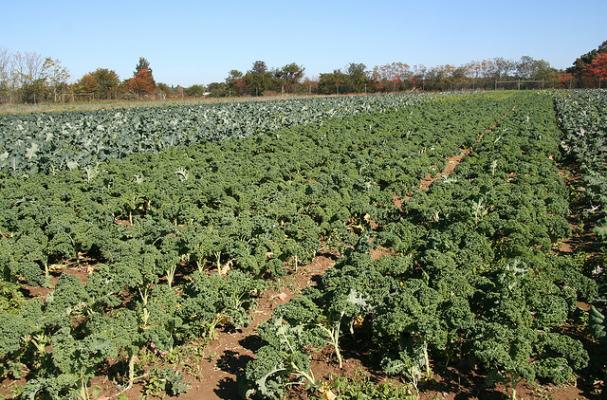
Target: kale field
[369, 247]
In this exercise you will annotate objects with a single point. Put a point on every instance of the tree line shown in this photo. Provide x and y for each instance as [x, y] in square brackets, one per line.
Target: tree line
[29, 77]
[591, 67]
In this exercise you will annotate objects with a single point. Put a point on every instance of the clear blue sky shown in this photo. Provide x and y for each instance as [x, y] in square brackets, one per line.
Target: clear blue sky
[190, 42]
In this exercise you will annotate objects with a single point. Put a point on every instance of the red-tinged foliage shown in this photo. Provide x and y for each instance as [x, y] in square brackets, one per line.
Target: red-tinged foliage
[598, 68]
[564, 77]
[142, 83]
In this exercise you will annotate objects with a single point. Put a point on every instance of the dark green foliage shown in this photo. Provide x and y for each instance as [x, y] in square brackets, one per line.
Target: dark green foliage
[180, 242]
[210, 300]
[474, 278]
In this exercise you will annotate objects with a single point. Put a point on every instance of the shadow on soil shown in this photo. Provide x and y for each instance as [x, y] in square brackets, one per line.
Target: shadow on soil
[234, 363]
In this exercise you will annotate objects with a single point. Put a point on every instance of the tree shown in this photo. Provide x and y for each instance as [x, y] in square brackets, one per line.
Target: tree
[462, 74]
[288, 76]
[502, 67]
[5, 68]
[217, 89]
[34, 91]
[56, 75]
[27, 67]
[86, 84]
[5, 61]
[234, 75]
[102, 82]
[419, 74]
[359, 78]
[530, 68]
[142, 64]
[142, 83]
[581, 64]
[29, 77]
[194, 91]
[107, 82]
[334, 82]
[390, 76]
[440, 77]
[37, 77]
[259, 67]
[235, 83]
[564, 79]
[168, 91]
[258, 78]
[598, 67]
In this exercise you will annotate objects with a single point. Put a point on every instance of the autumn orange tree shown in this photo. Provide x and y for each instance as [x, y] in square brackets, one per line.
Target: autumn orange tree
[102, 82]
[598, 68]
[142, 83]
[565, 79]
[86, 84]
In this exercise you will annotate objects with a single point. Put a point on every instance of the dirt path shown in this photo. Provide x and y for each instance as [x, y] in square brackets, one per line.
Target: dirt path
[226, 356]
[428, 180]
[452, 163]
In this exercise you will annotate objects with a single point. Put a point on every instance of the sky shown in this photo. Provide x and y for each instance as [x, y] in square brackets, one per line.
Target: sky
[191, 42]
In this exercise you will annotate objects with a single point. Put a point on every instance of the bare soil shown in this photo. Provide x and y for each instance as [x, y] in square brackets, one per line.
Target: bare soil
[380, 251]
[226, 356]
[452, 163]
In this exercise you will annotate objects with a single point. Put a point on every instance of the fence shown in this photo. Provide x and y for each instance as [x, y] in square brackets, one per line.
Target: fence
[573, 83]
[73, 97]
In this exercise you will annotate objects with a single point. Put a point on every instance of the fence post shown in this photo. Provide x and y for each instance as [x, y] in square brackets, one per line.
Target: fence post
[519, 84]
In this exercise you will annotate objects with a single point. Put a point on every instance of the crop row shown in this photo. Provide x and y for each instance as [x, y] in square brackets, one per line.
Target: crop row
[468, 277]
[583, 118]
[53, 141]
[175, 243]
